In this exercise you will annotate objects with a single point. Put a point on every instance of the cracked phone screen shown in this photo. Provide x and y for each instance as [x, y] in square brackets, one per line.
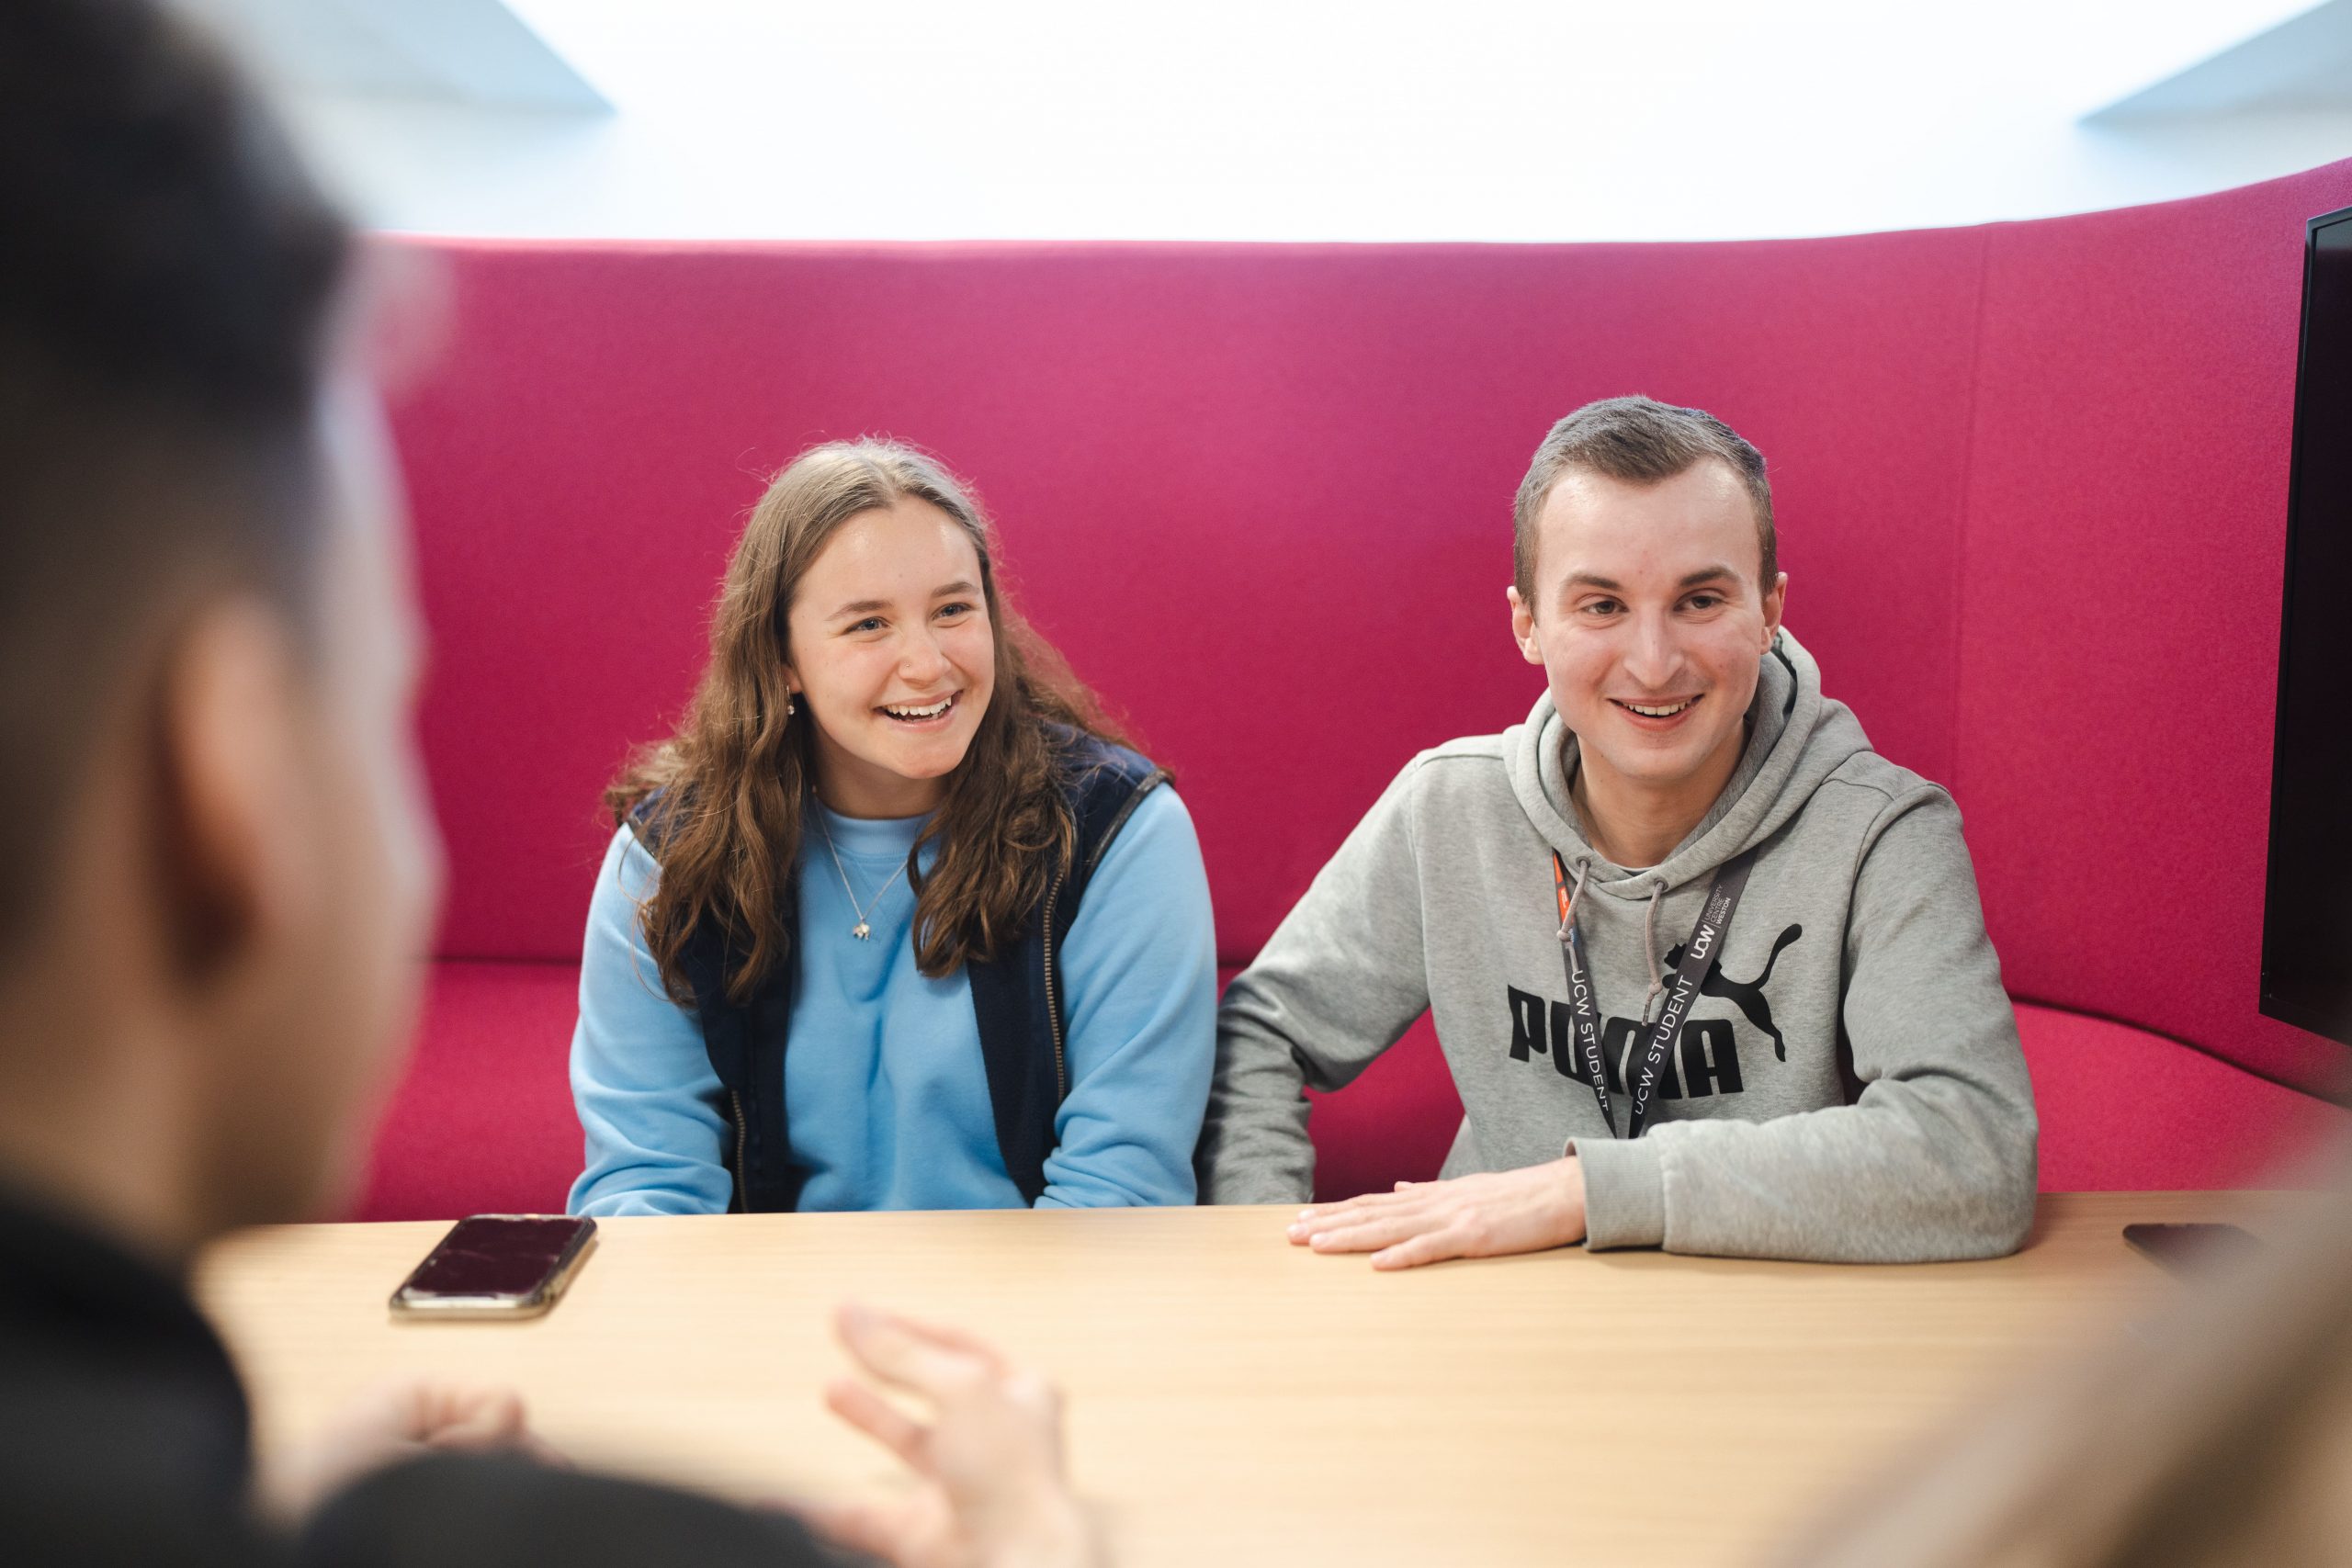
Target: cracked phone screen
[496, 1257]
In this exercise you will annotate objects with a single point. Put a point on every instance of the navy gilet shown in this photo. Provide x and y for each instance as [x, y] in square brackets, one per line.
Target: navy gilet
[1016, 996]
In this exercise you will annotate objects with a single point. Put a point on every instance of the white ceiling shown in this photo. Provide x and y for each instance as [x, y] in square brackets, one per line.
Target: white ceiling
[1287, 119]
[2301, 63]
[471, 51]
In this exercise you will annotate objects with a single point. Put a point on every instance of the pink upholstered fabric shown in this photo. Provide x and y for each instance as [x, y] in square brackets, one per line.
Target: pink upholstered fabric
[2030, 480]
[1260, 496]
[2120, 623]
[1394, 1124]
[2130, 1112]
[482, 1120]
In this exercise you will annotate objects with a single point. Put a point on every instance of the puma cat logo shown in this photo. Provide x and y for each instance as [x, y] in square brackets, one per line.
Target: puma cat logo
[1745, 995]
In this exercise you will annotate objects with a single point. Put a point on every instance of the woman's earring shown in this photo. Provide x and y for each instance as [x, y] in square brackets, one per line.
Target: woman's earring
[790, 710]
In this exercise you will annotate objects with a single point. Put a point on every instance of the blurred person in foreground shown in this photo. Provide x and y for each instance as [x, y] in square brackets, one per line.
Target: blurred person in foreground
[209, 963]
[2216, 1435]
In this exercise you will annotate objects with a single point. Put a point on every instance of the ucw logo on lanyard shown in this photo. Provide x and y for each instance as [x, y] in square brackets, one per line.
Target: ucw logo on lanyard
[1699, 955]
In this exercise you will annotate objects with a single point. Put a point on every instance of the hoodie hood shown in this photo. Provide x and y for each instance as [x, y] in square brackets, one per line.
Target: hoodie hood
[1797, 738]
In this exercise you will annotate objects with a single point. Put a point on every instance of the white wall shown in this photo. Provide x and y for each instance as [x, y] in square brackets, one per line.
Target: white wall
[1277, 120]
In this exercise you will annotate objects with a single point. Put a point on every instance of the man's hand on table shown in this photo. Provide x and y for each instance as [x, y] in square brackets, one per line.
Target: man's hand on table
[399, 1421]
[991, 1490]
[1486, 1216]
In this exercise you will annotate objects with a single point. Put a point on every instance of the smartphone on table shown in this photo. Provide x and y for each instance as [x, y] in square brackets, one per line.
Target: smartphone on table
[497, 1266]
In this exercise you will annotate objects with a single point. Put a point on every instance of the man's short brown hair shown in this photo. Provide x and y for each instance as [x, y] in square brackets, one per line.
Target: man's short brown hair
[1640, 441]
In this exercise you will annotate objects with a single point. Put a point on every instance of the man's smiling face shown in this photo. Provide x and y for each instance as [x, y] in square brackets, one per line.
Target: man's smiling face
[1649, 621]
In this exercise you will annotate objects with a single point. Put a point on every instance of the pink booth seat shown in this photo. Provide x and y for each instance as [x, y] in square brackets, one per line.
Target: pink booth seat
[2031, 481]
[481, 1121]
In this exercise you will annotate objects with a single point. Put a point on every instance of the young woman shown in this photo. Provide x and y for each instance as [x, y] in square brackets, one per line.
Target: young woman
[893, 922]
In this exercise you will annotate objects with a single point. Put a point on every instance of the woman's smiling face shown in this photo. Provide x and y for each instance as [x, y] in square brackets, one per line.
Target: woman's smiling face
[893, 658]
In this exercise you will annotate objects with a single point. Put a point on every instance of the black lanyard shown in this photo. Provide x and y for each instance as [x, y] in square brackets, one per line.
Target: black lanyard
[1698, 956]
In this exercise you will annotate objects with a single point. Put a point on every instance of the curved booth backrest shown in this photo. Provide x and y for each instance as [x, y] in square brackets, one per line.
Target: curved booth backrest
[2031, 477]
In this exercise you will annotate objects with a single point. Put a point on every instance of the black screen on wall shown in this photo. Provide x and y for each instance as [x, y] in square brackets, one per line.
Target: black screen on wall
[2307, 906]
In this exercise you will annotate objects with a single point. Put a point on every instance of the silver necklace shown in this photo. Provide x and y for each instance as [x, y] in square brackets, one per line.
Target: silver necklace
[860, 931]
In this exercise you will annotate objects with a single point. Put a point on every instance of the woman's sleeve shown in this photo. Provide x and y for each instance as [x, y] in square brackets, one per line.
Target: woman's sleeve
[1140, 973]
[646, 1095]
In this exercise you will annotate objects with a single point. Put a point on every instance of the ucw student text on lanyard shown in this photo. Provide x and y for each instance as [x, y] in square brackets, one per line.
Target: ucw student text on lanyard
[1699, 955]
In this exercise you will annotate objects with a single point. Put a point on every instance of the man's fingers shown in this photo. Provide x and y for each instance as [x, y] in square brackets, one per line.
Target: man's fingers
[403, 1410]
[538, 1450]
[416, 1410]
[941, 1334]
[872, 1528]
[1428, 1247]
[1323, 1216]
[1382, 1230]
[888, 1424]
[1361, 1202]
[477, 1418]
[901, 1355]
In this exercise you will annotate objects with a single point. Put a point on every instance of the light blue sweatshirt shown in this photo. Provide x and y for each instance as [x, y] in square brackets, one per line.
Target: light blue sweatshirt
[886, 1097]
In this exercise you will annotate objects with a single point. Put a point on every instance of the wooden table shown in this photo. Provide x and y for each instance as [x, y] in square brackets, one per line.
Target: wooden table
[1234, 1400]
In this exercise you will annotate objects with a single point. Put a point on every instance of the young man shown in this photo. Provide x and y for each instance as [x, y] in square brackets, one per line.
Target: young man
[1709, 973]
[208, 959]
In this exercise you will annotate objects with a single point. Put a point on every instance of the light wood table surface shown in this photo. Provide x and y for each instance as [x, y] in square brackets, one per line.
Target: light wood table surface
[1234, 1400]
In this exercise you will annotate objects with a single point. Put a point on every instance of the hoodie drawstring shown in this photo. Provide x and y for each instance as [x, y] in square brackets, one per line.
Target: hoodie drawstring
[1649, 931]
[1584, 868]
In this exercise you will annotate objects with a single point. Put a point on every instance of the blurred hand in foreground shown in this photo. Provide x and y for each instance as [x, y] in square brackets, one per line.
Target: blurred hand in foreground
[399, 1421]
[990, 1487]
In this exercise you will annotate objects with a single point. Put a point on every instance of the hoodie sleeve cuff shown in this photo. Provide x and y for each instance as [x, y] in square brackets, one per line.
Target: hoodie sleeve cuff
[1625, 1192]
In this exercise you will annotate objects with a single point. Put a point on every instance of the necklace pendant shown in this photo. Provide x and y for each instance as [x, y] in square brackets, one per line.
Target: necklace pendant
[860, 931]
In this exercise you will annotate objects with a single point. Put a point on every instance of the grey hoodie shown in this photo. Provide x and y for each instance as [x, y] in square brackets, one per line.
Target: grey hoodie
[1847, 1086]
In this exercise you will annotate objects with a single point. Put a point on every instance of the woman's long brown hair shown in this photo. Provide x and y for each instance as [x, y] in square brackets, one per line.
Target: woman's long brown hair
[736, 778]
